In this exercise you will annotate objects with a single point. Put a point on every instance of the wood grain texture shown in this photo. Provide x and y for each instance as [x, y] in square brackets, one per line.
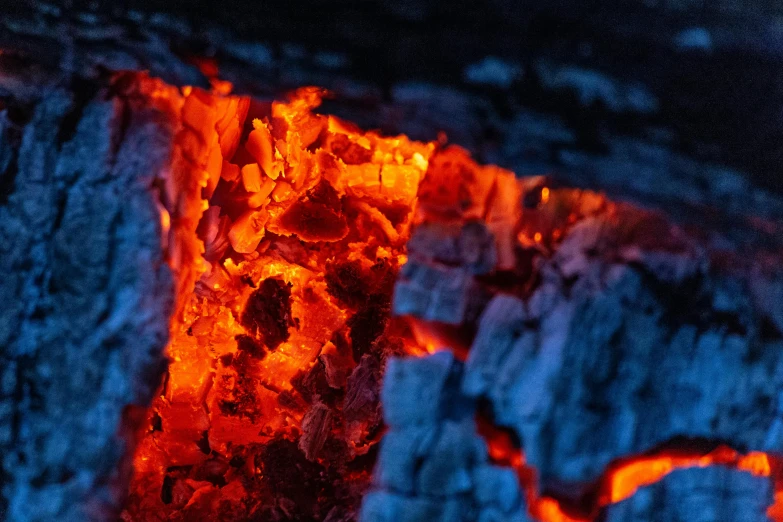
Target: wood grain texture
[87, 298]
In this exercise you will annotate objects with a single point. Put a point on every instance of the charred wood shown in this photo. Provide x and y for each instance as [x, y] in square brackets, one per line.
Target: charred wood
[87, 298]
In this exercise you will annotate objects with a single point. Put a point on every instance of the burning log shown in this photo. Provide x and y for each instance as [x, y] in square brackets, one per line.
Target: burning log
[627, 340]
[204, 295]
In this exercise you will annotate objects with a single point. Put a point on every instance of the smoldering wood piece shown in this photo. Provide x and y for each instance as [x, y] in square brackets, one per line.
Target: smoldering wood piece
[362, 391]
[714, 494]
[338, 366]
[87, 296]
[432, 464]
[460, 488]
[620, 350]
[316, 426]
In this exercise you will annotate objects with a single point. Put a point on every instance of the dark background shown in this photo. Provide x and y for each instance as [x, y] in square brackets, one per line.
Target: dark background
[690, 85]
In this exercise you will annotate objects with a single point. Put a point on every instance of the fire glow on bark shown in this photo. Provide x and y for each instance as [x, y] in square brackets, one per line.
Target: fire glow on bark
[623, 478]
[285, 230]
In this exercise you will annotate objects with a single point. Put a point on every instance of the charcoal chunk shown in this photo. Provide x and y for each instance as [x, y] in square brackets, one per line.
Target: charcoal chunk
[361, 397]
[316, 426]
[317, 216]
[368, 324]
[251, 346]
[292, 478]
[268, 312]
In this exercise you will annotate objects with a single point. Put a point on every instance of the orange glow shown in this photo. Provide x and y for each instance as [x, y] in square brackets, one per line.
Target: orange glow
[775, 512]
[627, 478]
[293, 212]
[622, 479]
[548, 510]
[311, 205]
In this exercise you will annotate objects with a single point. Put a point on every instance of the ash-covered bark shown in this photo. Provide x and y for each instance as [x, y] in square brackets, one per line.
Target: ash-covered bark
[621, 349]
[86, 298]
[433, 465]
[715, 494]
[623, 335]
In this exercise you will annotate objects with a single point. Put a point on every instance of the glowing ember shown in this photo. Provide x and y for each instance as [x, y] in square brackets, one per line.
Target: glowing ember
[622, 479]
[285, 230]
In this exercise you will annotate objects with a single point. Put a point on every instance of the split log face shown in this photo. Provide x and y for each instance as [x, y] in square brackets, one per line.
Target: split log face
[433, 465]
[622, 349]
[87, 296]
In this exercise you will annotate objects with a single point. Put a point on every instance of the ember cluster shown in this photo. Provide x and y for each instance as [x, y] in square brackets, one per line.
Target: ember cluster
[285, 230]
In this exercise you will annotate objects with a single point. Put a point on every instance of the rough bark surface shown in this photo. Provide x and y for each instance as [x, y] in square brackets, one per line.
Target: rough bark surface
[621, 349]
[626, 335]
[433, 465]
[86, 296]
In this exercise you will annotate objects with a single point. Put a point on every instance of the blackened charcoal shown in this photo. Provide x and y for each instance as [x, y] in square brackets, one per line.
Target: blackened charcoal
[312, 384]
[353, 286]
[290, 400]
[166, 489]
[250, 346]
[363, 390]
[316, 427]
[212, 470]
[268, 312]
[157, 422]
[317, 216]
[368, 324]
[246, 279]
[290, 476]
[203, 443]
[228, 407]
[323, 193]
[345, 282]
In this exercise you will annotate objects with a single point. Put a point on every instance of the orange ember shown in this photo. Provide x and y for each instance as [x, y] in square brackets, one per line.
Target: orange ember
[625, 479]
[622, 479]
[285, 230]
